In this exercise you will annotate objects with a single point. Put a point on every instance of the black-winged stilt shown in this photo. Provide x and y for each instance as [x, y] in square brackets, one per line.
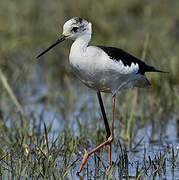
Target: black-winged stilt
[104, 69]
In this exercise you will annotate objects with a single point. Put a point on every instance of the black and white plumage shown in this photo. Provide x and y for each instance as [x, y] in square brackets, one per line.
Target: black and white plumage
[127, 59]
[104, 69]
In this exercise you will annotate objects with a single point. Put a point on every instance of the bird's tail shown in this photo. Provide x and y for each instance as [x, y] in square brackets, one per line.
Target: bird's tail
[152, 69]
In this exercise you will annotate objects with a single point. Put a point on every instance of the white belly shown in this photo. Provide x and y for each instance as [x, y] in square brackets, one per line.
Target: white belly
[100, 73]
[99, 77]
[96, 80]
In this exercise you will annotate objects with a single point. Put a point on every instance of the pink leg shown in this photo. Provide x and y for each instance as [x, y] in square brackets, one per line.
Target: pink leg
[112, 131]
[86, 155]
[109, 138]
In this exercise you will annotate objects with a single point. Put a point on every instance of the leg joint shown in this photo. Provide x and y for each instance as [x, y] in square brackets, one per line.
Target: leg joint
[110, 139]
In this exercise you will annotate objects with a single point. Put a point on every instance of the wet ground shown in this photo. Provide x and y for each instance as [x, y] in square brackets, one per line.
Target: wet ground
[149, 148]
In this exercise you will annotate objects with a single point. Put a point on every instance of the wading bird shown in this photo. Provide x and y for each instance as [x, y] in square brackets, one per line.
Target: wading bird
[104, 69]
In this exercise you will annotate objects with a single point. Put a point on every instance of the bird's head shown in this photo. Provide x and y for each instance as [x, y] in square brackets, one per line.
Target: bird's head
[72, 29]
[76, 27]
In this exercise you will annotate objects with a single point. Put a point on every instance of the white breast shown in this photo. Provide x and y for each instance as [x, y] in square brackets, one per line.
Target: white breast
[96, 70]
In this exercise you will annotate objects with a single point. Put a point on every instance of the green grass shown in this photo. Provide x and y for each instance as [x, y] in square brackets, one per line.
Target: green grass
[30, 153]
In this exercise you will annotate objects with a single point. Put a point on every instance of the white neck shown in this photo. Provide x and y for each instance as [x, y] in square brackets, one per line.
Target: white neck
[81, 42]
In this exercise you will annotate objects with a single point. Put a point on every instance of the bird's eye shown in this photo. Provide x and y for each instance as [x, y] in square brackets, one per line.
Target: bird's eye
[74, 29]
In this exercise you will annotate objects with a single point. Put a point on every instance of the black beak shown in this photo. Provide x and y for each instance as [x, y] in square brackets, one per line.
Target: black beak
[61, 39]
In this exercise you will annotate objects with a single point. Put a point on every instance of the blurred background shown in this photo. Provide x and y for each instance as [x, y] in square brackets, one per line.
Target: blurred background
[49, 92]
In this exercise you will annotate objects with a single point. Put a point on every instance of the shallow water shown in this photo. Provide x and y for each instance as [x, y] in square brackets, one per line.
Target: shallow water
[85, 107]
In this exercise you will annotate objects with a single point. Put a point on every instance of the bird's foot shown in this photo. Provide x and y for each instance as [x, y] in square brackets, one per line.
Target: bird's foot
[85, 157]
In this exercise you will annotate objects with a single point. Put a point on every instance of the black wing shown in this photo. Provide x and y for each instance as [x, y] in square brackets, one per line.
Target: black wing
[127, 59]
